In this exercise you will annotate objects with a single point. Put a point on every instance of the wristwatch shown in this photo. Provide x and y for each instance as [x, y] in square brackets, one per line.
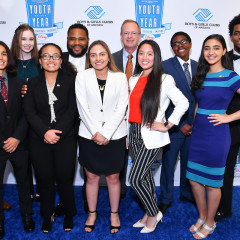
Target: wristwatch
[166, 125]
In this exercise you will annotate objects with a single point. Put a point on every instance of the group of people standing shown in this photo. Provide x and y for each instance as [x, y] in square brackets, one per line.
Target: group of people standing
[177, 105]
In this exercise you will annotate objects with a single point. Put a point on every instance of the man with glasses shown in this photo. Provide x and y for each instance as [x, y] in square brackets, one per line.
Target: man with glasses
[125, 60]
[182, 68]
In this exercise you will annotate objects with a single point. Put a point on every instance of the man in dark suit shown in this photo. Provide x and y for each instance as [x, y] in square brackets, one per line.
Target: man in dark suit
[182, 68]
[13, 129]
[225, 206]
[130, 37]
[77, 45]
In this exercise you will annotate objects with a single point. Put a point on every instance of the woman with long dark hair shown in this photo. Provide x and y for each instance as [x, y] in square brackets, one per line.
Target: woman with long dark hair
[51, 110]
[214, 85]
[102, 97]
[151, 92]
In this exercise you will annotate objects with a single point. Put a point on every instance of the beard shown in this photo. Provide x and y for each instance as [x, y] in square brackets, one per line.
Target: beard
[237, 49]
[77, 55]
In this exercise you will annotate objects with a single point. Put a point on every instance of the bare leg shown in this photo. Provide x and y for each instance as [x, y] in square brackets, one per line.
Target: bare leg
[114, 188]
[199, 194]
[92, 187]
[213, 200]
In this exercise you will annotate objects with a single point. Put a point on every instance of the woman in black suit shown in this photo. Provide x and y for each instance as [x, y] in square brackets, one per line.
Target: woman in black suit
[50, 108]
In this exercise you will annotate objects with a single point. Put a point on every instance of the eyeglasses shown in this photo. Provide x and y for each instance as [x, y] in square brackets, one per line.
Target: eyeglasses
[183, 42]
[47, 56]
[132, 33]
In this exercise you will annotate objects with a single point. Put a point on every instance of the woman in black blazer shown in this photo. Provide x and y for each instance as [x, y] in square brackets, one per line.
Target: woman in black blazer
[50, 108]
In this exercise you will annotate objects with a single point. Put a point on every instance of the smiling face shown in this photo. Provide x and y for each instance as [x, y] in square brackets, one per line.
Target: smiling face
[99, 58]
[146, 58]
[26, 41]
[213, 52]
[181, 47]
[235, 38]
[50, 65]
[3, 60]
[77, 43]
[130, 36]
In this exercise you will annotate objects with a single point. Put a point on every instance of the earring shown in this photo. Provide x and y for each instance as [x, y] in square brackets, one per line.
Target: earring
[61, 66]
[41, 66]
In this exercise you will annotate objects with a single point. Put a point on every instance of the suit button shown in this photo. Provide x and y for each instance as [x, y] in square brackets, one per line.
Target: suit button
[101, 110]
[8, 117]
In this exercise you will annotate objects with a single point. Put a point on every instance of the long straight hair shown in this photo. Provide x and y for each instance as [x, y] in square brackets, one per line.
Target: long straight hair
[150, 100]
[203, 66]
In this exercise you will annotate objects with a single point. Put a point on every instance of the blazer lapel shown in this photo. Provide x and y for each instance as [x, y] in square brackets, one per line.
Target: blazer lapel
[43, 87]
[10, 92]
[59, 85]
[93, 84]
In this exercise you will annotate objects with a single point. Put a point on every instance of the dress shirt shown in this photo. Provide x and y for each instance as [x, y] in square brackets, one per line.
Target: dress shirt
[236, 64]
[5, 80]
[79, 62]
[125, 59]
[189, 64]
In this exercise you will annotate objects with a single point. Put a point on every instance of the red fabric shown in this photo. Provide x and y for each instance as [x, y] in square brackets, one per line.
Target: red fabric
[135, 98]
[4, 91]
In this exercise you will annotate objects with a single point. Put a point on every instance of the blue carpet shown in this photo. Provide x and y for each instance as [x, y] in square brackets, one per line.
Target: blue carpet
[175, 224]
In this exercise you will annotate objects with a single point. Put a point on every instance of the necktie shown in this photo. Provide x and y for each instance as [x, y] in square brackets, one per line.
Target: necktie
[235, 57]
[4, 91]
[129, 67]
[187, 73]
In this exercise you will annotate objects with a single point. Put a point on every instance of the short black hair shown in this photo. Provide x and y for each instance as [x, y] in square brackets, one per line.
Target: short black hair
[78, 25]
[180, 33]
[235, 21]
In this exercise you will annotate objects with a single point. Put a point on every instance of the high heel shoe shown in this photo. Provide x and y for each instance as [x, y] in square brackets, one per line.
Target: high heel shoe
[149, 230]
[114, 227]
[68, 223]
[138, 224]
[194, 229]
[210, 229]
[47, 224]
[91, 226]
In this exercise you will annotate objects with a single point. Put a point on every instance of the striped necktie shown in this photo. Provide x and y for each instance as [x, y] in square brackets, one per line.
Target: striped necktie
[4, 91]
[187, 74]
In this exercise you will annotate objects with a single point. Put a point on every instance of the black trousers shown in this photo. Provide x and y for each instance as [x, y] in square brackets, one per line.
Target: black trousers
[19, 161]
[55, 163]
[225, 205]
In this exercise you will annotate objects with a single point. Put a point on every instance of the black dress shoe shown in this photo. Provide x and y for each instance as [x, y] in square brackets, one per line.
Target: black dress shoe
[163, 207]
[47, 225]
[28, 223]
[2, 232]
[221, 215]
[37, 197]
[58, 211]
[184, 199]
[68, 223]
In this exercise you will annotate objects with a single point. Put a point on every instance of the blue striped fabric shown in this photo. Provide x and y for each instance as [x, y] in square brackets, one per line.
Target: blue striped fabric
[207, 112]
[221, 83]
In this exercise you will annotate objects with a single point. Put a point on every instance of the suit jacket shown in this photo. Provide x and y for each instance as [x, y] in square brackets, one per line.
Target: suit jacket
[12, 120]
[37, 109]
[174, 68]
[169, 91]
[118, 59]
[234, 105]
[106, 117]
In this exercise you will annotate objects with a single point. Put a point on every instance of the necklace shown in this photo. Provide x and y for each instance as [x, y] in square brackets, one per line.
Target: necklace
[101, 87]
[25, 66]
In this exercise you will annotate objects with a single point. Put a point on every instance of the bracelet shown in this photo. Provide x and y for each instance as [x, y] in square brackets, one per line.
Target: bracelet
[166, 125]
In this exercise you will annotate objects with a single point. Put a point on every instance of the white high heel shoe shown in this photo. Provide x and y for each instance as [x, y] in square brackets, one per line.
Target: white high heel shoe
[149, 230]
[138, 224]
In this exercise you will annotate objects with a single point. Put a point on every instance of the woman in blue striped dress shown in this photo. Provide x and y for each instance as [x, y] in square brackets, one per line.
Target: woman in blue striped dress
[214, 85]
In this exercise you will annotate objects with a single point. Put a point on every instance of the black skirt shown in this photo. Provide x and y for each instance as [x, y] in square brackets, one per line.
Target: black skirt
[102, 160]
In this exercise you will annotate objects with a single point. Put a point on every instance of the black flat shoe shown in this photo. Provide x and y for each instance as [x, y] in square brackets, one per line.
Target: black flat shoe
[2, 232]
[92, 227]
[47, 225]
[114, 227]
[58, 211]
[28, 223]
[37, 197]
[68, 223]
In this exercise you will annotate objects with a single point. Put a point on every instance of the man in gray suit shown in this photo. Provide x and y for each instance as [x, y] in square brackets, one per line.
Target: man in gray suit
[130, 37]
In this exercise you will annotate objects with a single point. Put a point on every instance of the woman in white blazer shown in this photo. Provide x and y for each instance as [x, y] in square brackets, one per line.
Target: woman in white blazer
[151, 93]
[102, 98]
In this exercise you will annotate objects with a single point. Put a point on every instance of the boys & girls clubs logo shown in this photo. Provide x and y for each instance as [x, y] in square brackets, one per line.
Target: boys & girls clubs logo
[149, 15]
[40, 14]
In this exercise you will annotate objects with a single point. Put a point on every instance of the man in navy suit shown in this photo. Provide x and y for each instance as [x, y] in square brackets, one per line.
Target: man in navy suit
[130, 37]
[182, 68]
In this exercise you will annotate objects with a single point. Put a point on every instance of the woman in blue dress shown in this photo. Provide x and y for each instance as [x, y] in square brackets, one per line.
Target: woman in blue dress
[214, 85]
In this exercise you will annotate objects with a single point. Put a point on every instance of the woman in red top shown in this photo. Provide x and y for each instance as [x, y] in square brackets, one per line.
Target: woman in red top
[151, 92]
